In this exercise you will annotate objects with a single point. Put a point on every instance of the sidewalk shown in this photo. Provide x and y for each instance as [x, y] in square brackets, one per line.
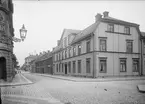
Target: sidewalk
[83, 79]
[19, 79]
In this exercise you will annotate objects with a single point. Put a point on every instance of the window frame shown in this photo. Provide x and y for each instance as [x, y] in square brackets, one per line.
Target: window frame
[101, 45]
[110, 27]
[137, 60]
[79, 48]
[74, 66]
[88, 49]
[79, 66]
[127, 30]
[125, 60]
[88, 66]
[127, 43]
[105, 60]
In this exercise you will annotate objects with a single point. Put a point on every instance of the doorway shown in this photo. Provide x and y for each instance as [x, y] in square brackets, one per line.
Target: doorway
[3, 74]
[66, 68]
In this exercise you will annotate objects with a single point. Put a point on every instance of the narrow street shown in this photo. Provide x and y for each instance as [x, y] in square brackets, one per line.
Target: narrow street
[45, 89]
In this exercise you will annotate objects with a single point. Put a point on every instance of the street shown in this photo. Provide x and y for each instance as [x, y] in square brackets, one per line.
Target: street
[46, 89]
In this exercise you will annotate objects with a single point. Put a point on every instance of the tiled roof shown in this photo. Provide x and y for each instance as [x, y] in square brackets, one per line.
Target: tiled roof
[86, 32]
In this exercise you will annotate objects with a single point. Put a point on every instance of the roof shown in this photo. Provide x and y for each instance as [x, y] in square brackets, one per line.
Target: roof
[66, 32]
[86, 32]
[143, 34]
[111, 19]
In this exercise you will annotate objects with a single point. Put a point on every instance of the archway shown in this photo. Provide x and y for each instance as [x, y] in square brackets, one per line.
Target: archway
[3, 74]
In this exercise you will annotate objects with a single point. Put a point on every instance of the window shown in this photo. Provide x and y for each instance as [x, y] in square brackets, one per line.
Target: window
[59, 67]
[69, 52]
[135, 65]
[127, 30]
[79, 66]
[79, 49]
[103, 65]
[103, 44]
[129, 46]
[111, 27]
[65, 53]
[74, 66]
[69, 66]
[122, 65]
[62, 66]
[88, 65]
[88, 46]
[65, 41]
[62, 55]
[74, 51]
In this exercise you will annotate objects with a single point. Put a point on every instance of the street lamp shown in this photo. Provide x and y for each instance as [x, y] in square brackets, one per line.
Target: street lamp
[23, 33]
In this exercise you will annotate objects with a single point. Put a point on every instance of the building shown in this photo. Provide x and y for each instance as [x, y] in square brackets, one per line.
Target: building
[143, 52]
[108, 47]
[6, 43]
[44, 64]
[28, 61]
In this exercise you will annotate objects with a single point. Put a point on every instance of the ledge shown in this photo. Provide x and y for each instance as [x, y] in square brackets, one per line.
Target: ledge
[117, 33]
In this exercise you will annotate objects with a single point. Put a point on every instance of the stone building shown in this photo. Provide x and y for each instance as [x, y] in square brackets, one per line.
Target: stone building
[6, 44]
[108, 47]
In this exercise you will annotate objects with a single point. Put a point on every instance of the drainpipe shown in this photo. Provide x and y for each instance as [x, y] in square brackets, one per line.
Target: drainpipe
[141, 70]
[94, 71]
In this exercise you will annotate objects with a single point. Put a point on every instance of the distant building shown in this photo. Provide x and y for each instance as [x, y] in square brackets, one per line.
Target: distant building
[108, 47]
[28, 61]
[44, 64]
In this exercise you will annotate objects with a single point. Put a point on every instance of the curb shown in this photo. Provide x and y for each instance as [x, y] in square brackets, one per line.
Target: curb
[17, 84]
[141, 88]
[91, 80]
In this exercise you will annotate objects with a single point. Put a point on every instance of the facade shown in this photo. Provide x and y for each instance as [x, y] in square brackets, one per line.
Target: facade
[28, 61]
[143, 52]
[44, 64]
[109, 47]
[6, 44]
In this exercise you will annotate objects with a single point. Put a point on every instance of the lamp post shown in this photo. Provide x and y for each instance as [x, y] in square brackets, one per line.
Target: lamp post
[23, 33]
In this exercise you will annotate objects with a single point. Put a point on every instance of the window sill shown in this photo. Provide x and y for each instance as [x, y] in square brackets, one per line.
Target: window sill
[117, 32]
[103, 72]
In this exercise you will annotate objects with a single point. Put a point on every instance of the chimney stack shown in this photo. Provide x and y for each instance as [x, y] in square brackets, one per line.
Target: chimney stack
[98, 17]
[106, 14]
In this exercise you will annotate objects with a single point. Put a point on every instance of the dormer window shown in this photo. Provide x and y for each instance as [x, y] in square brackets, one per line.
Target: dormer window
[110, 28]
[126, 30]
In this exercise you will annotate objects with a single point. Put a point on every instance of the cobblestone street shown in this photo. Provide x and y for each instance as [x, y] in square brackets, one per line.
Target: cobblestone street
[46, 90]
[27, 94]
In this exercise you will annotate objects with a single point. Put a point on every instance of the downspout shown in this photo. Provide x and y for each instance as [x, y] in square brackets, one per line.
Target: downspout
[94, 71]
[141, 69]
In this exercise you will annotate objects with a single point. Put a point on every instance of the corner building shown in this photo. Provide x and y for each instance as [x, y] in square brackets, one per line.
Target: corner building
[6, 44]
[108, 47]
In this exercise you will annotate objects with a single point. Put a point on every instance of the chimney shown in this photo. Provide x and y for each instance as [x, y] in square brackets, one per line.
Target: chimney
[58, 41]
[106, 14]
[98, 16]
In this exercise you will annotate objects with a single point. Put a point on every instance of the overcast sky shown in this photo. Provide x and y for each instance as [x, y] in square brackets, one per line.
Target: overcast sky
[45, 20]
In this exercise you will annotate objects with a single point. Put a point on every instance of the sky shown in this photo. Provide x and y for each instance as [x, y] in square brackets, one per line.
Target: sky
[45, 20]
